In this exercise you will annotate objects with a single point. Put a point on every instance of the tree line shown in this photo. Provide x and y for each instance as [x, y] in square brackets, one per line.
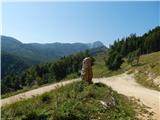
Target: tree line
[44, 73]
[132, 47]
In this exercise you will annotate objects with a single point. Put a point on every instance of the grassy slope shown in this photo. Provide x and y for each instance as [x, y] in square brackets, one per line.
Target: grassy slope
[77, 101]
[147, 70]
[100, 69]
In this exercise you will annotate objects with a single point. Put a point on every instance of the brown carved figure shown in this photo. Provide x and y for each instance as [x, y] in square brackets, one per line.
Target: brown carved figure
[86, 72]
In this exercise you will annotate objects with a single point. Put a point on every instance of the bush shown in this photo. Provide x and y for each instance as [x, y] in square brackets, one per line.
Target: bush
[35, 116]
[45, 98]
[114, 61]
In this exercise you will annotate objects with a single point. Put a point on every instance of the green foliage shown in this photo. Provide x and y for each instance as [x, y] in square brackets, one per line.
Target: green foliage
[99, 68]
[77, 101]
[114, 61]
[45, 73]
[34, 116]
[133, 56]
[45, 98]
[148, 70]
[12, 64]
[72, 76]
[148, 64]
[132, 47]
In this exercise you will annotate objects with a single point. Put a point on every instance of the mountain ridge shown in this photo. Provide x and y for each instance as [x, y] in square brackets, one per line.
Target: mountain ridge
[18, 41]
[24, 55]
[43, 52]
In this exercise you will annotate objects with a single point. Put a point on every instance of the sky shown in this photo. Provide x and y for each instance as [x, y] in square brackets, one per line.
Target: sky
[70, 22]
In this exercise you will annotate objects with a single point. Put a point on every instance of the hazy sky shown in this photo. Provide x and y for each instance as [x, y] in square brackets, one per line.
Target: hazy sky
[46, 22]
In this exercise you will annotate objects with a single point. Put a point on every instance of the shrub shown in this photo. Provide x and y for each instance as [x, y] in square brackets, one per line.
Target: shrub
[45, 98]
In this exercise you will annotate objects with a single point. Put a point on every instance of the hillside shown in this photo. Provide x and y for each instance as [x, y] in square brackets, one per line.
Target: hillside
[76, 101]
[132, 47]
[147, 71]
[43, 52]
[132, 51]
[12, 64]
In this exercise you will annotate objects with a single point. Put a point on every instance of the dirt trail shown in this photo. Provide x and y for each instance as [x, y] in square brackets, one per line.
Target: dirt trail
[34, 92]
[124, 84]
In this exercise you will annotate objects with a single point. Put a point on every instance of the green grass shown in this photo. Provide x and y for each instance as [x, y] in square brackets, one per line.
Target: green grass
[149, 64]
[71, 76]
[100, 69]
[148, 70]
[77, 101]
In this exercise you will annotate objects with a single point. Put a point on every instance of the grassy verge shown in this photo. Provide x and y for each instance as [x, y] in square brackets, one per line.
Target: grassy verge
[142, 79]
[100, 69]
[147, 71]
[77, 101]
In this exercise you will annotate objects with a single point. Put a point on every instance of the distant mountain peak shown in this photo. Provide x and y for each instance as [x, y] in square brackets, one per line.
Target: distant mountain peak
[9, 39]
[96, 44]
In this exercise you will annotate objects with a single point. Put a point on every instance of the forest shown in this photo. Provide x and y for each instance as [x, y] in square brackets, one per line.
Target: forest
[44, 73]
[132, 47]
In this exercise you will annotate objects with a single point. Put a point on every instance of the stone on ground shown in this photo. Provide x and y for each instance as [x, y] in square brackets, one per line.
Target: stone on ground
[86, 72]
